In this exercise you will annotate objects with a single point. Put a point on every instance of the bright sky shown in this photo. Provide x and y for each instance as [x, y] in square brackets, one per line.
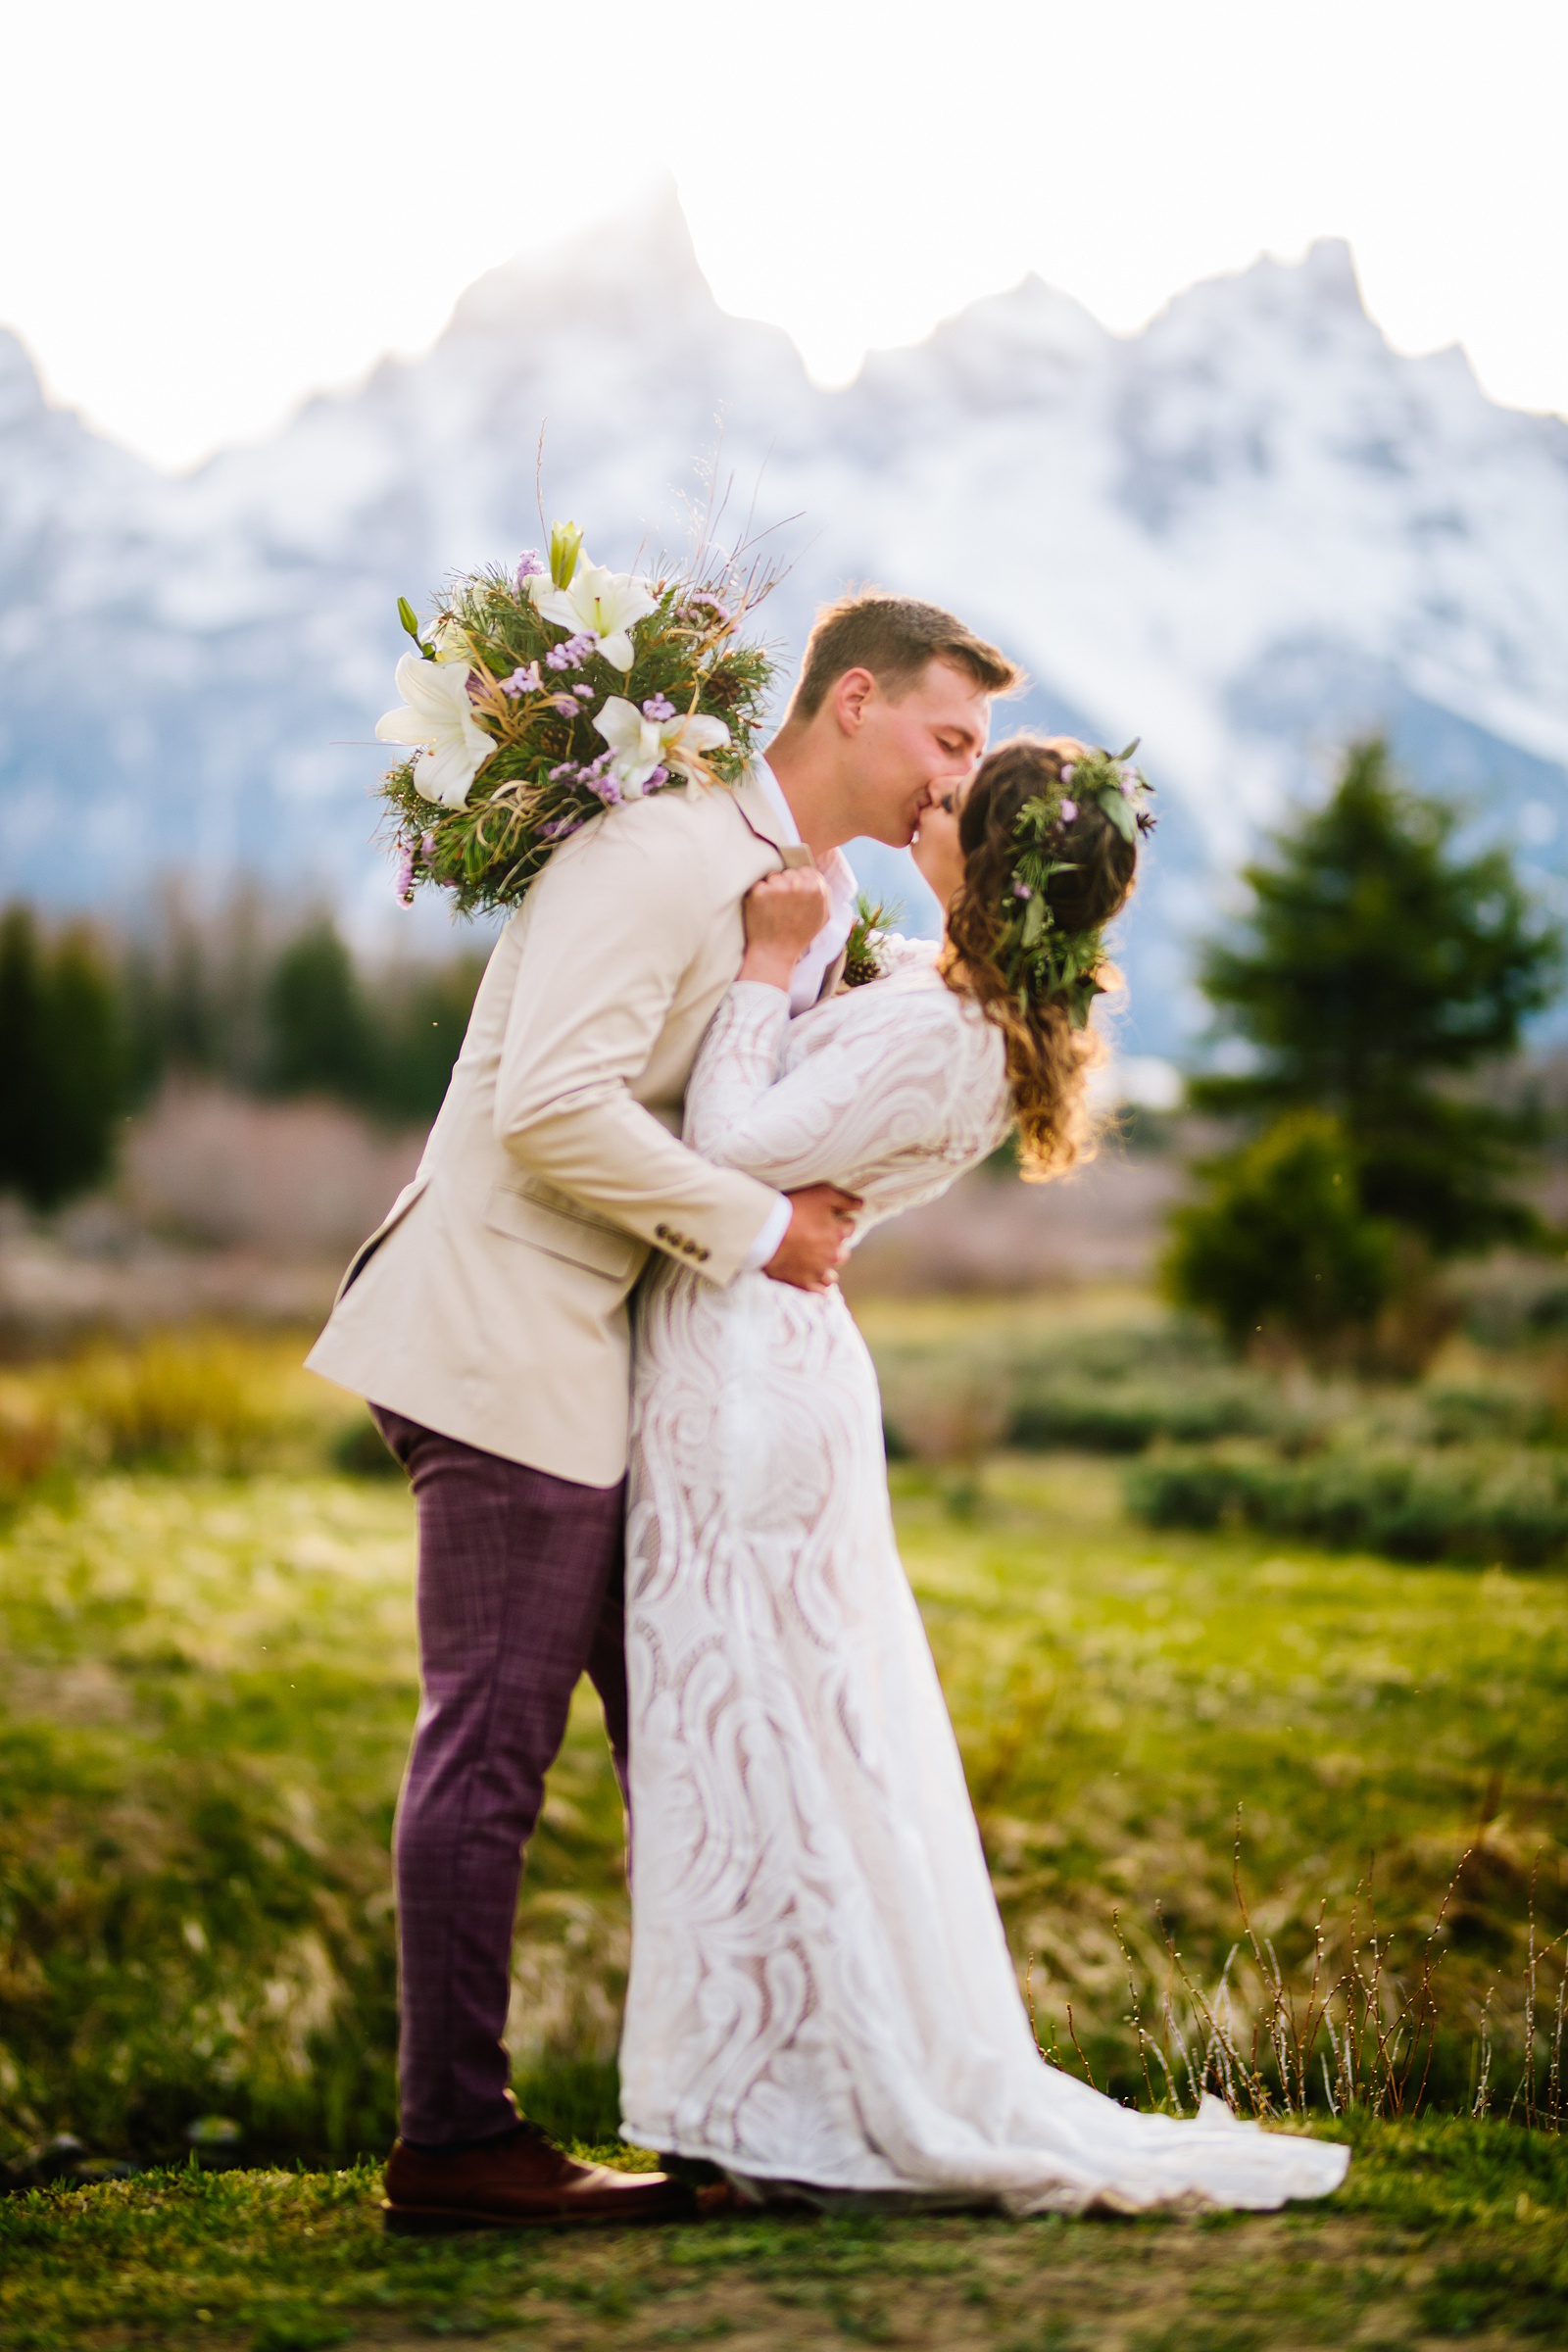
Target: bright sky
[211, 210]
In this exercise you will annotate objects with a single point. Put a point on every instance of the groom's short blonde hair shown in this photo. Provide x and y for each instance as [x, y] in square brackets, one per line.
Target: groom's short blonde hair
[894, 637]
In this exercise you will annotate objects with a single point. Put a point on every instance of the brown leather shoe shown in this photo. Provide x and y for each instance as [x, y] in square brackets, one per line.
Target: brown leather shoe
[521, 2182]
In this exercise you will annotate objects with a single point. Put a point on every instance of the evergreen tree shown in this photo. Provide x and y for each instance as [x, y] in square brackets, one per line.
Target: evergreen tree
[63, 1068]
[1376, 969]
[1280, 1242]
[320, 1032]
[420, 1028]
[24, 1078]
[194, 987]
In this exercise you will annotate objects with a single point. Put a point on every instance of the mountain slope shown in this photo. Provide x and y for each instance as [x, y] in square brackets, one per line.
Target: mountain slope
[1243, 534]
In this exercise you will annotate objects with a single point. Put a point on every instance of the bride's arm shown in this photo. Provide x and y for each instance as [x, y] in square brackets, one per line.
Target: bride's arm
[783, 914]
[736, 1065]
[905, 1085]
[866, 1110]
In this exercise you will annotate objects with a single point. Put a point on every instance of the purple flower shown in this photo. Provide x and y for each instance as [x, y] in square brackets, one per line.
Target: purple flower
[559, 827]
[564, 705]
[658, 707]
[427, 848]
[1068, 811]
[586, 692]
[522, 681]
[699, 601]
[567, 767]
[406, 878]
[1067, 773]
[661, 775]
[606, 788]
[530, 565]
[572, 652]
[1021, 890]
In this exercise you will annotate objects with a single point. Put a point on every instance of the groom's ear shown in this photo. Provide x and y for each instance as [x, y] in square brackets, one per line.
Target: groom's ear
[851, 694]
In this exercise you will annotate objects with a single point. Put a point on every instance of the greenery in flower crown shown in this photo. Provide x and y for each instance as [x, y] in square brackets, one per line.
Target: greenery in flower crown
[539, 699]
[1038, 955]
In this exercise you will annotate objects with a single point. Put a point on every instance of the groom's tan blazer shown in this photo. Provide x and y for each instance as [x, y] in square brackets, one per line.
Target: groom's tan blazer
[491, 1303]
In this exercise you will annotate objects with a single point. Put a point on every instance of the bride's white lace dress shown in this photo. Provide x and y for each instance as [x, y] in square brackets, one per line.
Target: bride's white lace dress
[820, 1989]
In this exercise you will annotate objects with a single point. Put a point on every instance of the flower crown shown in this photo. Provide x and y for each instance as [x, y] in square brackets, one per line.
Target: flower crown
[1041, 960]
[538, 699]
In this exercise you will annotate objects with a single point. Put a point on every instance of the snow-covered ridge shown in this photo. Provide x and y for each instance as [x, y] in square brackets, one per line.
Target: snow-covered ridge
[1243, 534]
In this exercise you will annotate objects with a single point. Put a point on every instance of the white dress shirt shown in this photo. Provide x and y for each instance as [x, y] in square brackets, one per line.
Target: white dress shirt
[810, 973]
[843, 889]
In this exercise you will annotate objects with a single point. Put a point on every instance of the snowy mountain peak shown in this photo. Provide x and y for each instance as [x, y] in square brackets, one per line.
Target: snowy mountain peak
[21, 393]
[640, 262]
[1243, 534]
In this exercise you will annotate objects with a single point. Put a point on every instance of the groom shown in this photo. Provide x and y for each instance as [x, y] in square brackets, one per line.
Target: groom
[486, 1322]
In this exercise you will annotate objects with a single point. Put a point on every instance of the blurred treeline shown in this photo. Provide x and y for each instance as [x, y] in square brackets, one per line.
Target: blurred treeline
[94, 1024]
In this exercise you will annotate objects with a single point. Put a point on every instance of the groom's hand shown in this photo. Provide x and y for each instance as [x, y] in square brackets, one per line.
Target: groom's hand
[817, 1241]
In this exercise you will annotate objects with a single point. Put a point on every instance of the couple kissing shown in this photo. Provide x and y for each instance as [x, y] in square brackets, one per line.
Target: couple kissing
[601, 1331]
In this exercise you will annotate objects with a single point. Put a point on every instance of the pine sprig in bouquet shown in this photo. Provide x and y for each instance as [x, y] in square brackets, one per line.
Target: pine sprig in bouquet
[537, 699]
[1038, 958]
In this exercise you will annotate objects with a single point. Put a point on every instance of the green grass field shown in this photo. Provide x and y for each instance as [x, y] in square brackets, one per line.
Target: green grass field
[1446, 2232]
[206, 1679]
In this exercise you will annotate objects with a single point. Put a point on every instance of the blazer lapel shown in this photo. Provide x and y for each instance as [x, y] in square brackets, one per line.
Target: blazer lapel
[758, 815]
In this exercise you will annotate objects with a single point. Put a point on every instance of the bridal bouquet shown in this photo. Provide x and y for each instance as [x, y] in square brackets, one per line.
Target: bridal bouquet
[536, 700]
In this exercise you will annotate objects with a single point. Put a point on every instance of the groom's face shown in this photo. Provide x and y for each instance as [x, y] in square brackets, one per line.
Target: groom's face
[911, 748]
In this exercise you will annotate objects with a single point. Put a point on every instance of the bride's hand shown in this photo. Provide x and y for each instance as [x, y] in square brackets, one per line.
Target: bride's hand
[784, 912]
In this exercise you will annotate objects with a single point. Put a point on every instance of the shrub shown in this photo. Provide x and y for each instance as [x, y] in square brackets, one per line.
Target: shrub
[360, 1452]
[29, 1441]
[1125, 1416]
[1110, 1391]
[188, 1402]
[1282, 1241]
[1462, 1503]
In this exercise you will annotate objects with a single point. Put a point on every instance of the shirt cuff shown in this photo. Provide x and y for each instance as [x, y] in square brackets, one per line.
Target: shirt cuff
[768, 1239]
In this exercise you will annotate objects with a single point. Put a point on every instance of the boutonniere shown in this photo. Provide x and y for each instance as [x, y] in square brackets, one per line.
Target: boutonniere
[861, 960]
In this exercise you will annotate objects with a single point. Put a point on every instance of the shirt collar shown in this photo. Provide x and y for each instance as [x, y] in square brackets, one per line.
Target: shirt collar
[773, 794]
[835, 869]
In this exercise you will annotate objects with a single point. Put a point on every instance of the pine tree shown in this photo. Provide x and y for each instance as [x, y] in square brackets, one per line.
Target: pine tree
[419, 1026]
[1377, 969]
[62, 1065]
[23, 1077]
[320, 1032]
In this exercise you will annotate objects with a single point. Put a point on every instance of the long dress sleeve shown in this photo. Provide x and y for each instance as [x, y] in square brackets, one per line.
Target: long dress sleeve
[888, 1090]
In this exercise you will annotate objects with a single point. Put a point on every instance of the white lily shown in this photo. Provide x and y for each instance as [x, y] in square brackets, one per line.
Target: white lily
[603, 602]
[641, 745]
[450, 641]
[437, 714]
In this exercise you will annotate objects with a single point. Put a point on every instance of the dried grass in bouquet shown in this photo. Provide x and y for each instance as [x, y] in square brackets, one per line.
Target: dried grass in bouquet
[539, 699]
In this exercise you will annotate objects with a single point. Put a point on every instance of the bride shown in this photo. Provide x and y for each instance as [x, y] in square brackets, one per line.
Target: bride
[821, 1996]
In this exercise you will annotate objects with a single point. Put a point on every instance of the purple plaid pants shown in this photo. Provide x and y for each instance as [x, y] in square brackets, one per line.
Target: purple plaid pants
[520, 1593]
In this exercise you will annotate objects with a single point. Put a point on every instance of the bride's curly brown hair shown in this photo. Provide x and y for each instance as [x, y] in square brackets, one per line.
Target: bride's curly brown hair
[1048, 1061]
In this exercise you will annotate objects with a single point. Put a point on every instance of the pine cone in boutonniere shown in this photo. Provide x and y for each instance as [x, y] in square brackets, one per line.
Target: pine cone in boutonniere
[862, 962]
